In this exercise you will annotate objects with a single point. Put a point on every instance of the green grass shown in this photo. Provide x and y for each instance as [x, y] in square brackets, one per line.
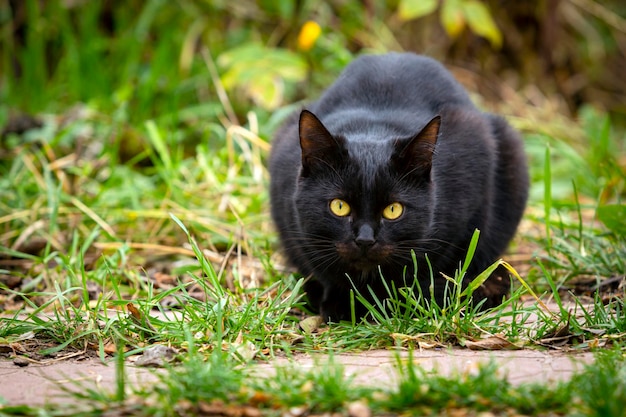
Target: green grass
[135, 213]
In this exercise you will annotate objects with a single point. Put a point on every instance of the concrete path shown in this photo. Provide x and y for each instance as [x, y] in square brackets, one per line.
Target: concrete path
[39, 383]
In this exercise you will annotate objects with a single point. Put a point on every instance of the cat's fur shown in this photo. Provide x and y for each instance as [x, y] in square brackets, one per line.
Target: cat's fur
[395, 128]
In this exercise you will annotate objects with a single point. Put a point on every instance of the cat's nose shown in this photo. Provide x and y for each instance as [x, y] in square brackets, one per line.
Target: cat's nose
[365, 237]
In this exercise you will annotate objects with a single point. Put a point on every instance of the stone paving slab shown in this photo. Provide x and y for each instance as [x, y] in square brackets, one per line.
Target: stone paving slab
[37, 384]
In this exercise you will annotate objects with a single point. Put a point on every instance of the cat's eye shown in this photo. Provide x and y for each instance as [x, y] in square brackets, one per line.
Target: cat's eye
[393, 211]
[339, 207]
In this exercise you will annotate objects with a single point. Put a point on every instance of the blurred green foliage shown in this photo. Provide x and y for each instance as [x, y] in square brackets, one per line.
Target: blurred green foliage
[198, 67]
[147, 55]
[454, 16]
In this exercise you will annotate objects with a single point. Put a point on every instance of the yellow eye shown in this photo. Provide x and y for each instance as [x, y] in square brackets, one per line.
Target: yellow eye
[339, 207]
[393, 211]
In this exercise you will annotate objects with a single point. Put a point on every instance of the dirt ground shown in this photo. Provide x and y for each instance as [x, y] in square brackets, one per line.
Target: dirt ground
[41, 383]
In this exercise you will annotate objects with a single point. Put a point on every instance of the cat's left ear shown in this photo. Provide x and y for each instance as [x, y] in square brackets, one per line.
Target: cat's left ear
[416, 156]
[319, 148]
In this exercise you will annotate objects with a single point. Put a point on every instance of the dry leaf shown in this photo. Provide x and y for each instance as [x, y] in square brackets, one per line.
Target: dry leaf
[139, 318]
[260, 398]
[311, 324]
[422, 343]
[156, 356]
[558, 337]
[134, 311]
[165, 281]
[218, 408]
[245, 350]
[359, 409]
[291, 339]
[491, 343]
[296, 411]
[111, 348]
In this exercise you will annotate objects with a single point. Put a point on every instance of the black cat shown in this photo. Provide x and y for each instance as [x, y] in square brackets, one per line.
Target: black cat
[394, 158]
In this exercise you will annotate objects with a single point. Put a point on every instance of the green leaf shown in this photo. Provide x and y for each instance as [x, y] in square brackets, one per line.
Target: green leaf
[266, 91]
[412, 9]
[481, 22]
[159, 144]
[480, 279]
[614, 217]
[452, 18]
[261, 72]
[470, 251]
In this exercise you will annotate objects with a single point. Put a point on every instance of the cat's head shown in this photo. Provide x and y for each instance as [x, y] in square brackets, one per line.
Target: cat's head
[367, 202]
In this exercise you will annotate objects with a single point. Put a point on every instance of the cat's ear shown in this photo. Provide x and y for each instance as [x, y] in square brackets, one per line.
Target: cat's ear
[416, 155]
[319, 148]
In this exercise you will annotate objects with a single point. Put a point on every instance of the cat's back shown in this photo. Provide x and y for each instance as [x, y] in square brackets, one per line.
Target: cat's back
[390, 82]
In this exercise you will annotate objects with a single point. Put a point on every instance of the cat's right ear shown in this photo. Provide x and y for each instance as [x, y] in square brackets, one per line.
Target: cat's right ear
[416, 156]
[319, 148]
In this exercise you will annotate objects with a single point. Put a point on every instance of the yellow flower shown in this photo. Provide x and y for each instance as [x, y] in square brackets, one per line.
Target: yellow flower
[308, 35]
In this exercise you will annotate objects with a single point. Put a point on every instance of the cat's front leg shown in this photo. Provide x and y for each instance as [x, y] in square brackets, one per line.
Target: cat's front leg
[332, 303]
[335, 304]
[314, 291]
